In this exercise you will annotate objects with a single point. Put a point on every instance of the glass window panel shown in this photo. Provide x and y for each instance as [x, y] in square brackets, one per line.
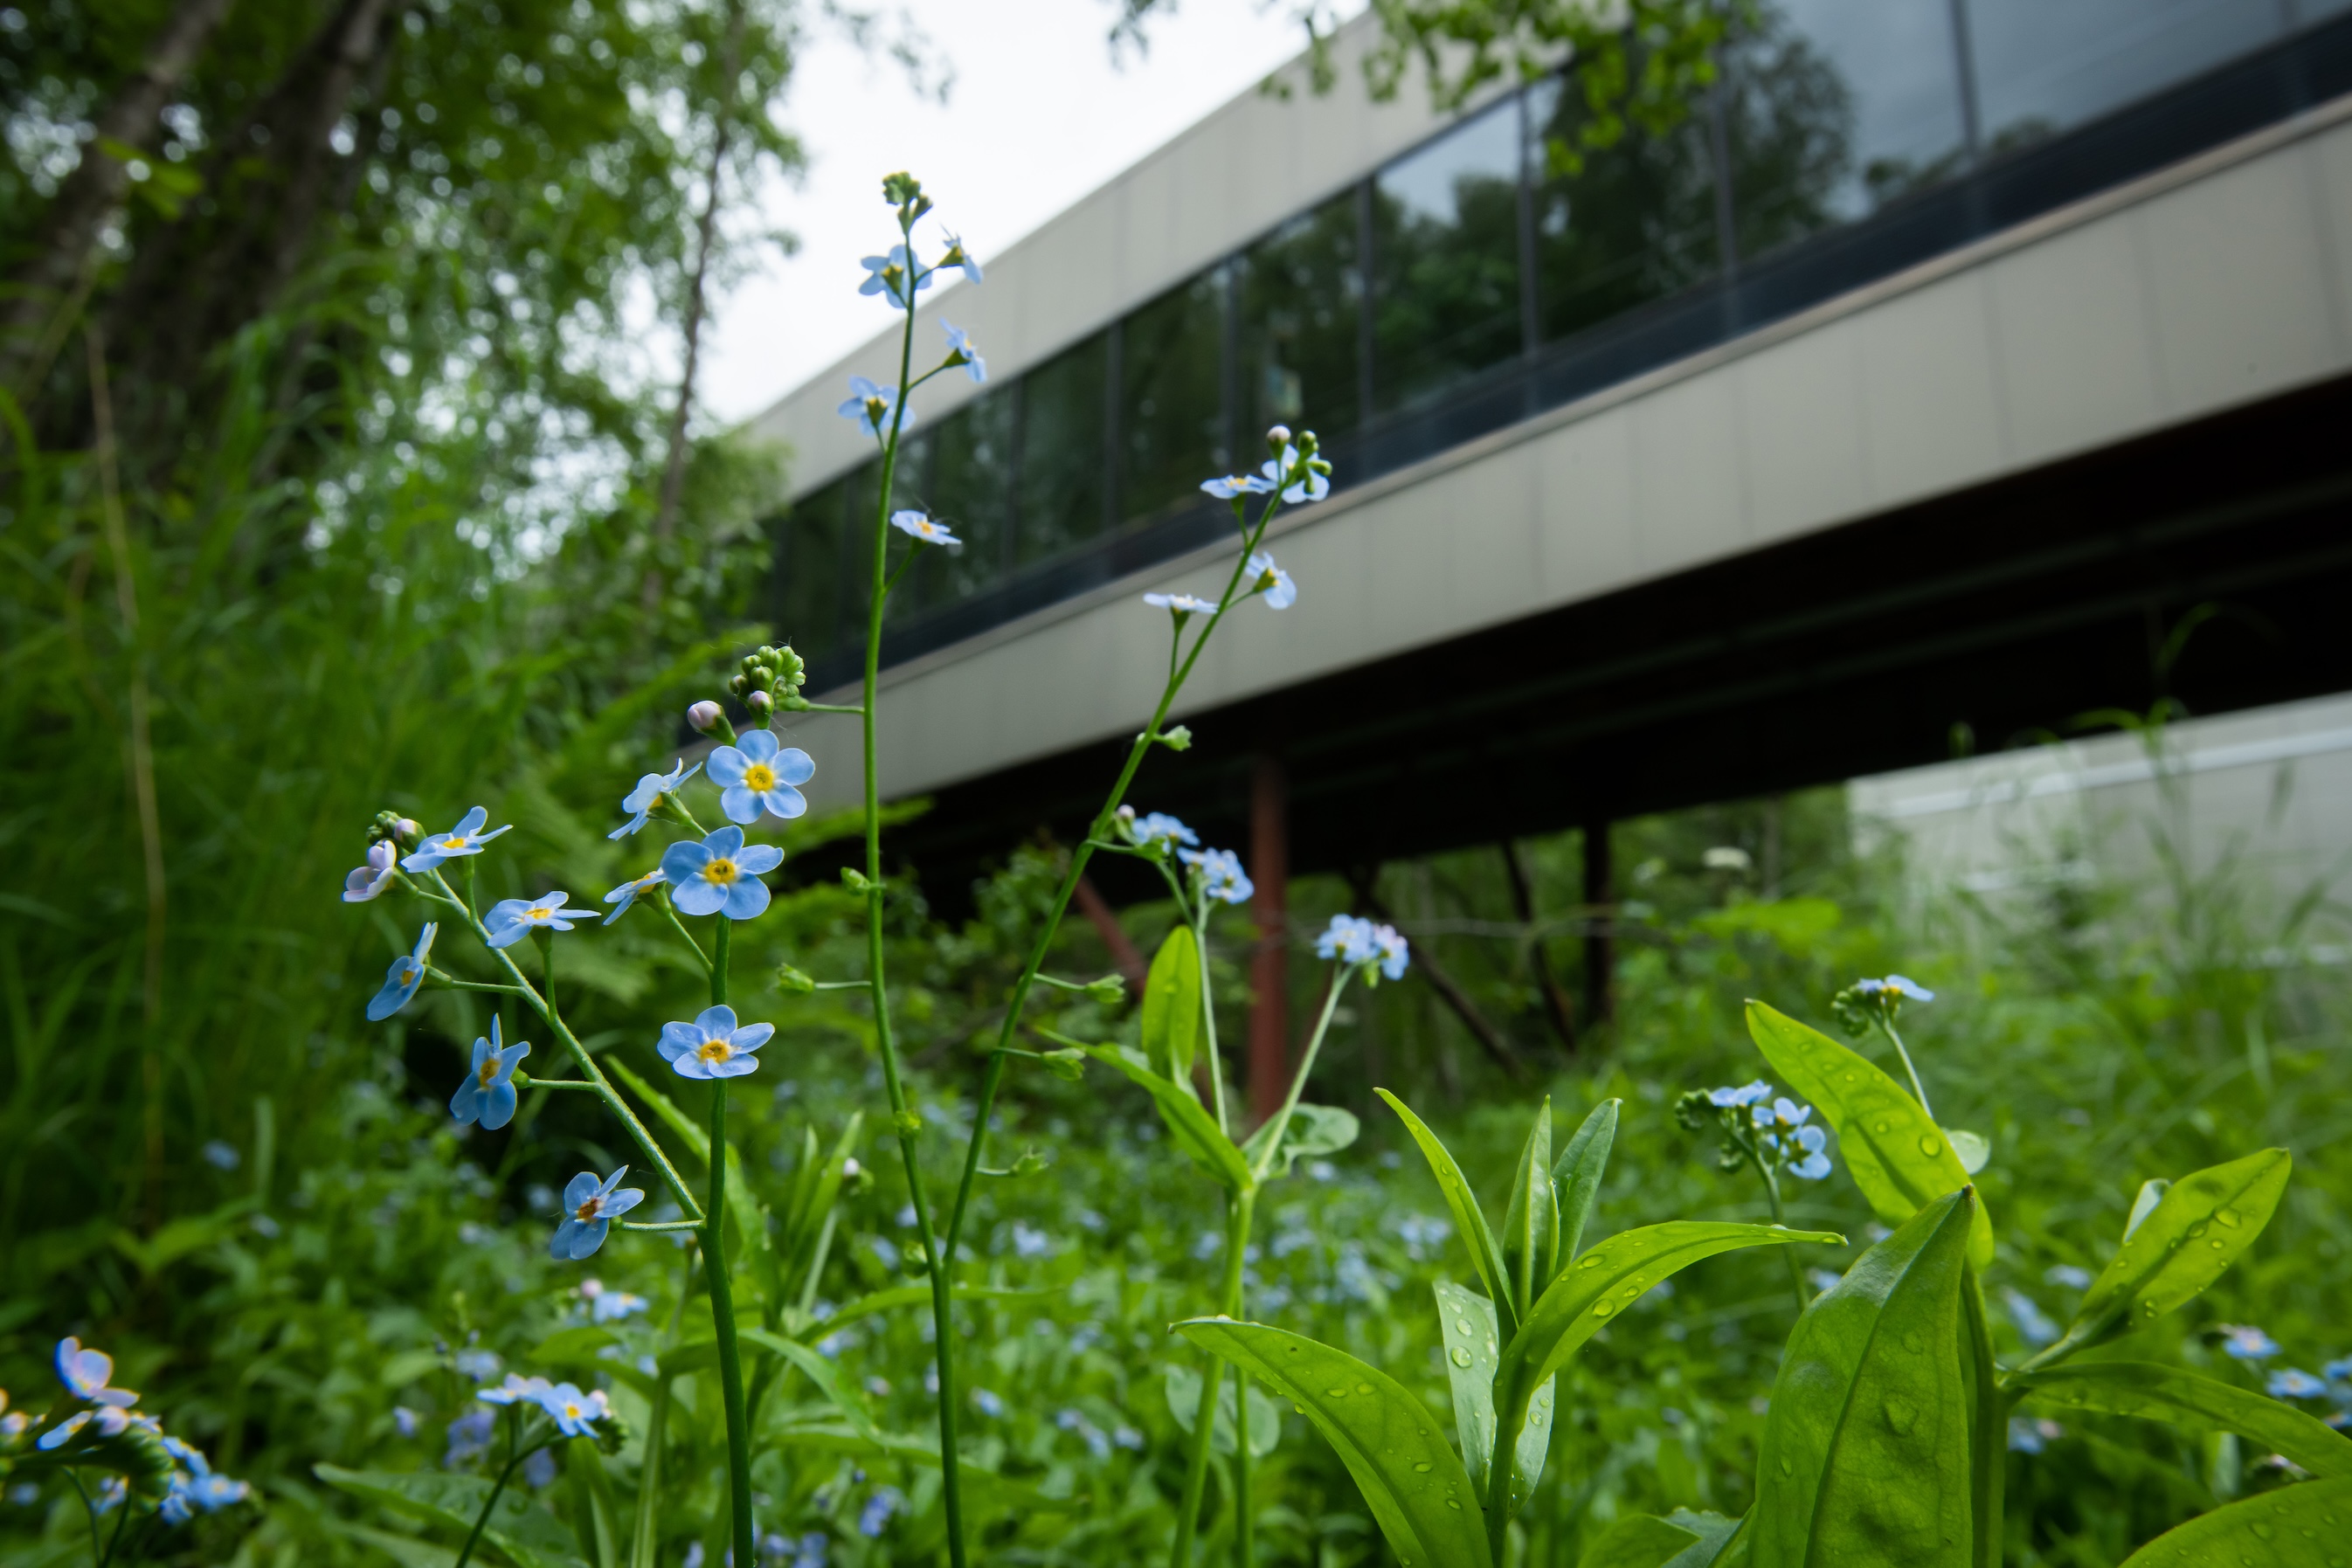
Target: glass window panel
[1789, 121]
[1174, 432]
[808, 598]
[2043, 65]
[1301, 330]
[971, 490]
[1063, 449]
[924, 583]
[1445, 259]
[1637, 223]
[1853, 102]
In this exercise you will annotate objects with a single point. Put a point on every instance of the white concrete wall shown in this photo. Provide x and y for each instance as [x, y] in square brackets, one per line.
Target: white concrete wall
[2222, 280]
[1256, 162]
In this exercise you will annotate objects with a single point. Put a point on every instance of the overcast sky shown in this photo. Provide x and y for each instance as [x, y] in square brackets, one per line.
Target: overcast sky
[1038, 117]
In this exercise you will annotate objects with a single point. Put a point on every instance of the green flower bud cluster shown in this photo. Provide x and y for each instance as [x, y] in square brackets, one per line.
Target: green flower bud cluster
[391, 827]
[770, 678]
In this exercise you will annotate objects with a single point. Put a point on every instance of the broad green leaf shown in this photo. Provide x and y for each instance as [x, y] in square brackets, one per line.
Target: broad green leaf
[1642, 1541]
[2195, 1232]
[1484, 1256]
[1312, 1131]
[1172, 1005]
[1576, 1178]
[2303, 1526]
[408, 1551]
[596, 1520]
[1184, 1404]
[1194, 1130]
[520, 1529]
[1607, 1280]
[1715, 1533]
[1867, 1449]
[2156, 1393]
[1530, 1237]
[1900, 1159]
[1988, 1412]
[1416, 1489]
[2151, 1193]
[1466, 1321]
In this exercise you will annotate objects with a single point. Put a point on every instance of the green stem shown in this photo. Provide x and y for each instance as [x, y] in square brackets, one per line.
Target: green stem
[1787, 1254]
[722, 1289]
[1917, 1092]
[643, 1544]
[1509, 1417]
[1209, 1014]
[1281, 1122]
[668, 908]
[515, 1456]
[1240, 1209]
[587, 1065]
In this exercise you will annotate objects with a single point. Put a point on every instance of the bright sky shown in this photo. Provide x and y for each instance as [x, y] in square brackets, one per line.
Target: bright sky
[1038, 117]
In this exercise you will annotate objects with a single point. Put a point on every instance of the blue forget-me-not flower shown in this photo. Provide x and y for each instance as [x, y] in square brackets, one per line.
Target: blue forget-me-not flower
[888, 274]
[1226, 487]
[870, 404]
[1155, 829]
[757, 774]
[401, 980]
[923, 527]
[590, 1207]
[373, 878]
[720, 875]
[1746, 1094]
[512, 919]
[1348, 938]
[958, 255]
[2247, 1343]
[1898, 985]
[875, 1517]
[1312, 484]
[518, 1389]
[606, 1305]
[1264, 577]
[713, 1045]
[487, 1095]
[960, 348]
[575, 1414]
[621, 897]
[646, 799]
[2295, 1383]
[1222, 877]
[1181, 604]
[466, 839]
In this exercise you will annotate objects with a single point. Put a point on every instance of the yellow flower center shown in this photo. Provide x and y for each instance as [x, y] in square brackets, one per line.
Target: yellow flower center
[540, 912]
[758, 778]
[409, 971]
[453, 842]
[588, 1210]
[720, 870]
[489, 1070]
[716, 1050]
[572, 1408]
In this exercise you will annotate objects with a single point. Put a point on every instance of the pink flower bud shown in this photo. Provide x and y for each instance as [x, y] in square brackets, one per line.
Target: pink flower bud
[761, 704]
[705, 716]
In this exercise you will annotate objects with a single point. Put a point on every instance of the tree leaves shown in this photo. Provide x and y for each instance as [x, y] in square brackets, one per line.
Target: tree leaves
[2194, 1232]
[2303, 1526]
[1867, 1445]
[1467, 1330]
[1416, 1487]
[1468, 1219]
[1900, 1159]
[2184, 1398]
[1172, 1005]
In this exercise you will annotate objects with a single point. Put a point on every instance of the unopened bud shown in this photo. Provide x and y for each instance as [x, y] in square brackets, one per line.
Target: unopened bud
[1127, 813]
[792, 981]
[761, 704]
[1110, 990]
[411, 830]
[766, 656]
[739, 685]
[1277, 438]
[850, 1167]
[706, 716]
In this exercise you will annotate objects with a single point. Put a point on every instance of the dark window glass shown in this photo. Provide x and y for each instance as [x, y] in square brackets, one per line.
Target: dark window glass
[1445, 259]
[1063, 449]
[971, 490]
[2043, 65]
[1174, 432]
[808, 596]
[857, 566]
[1635, 222]
[924, 583]
[1301, 329]
[1859, 101]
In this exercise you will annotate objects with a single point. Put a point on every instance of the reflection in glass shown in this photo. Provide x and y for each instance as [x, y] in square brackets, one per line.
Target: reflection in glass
[1173, 427]
[971, 490]
[809, 597]
[2043, 65]
[1445, 259]
[1789, 120]
[1299, 290]
[1063, 449]
[1901, 126]
[1636, 223]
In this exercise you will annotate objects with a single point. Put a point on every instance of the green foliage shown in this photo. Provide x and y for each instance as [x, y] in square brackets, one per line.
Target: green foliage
[2300, 1527]
[1172, 1005]
[2157, 1393]
[2198, 1227]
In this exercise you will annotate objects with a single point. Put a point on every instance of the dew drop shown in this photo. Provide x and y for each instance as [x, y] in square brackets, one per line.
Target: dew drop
[1462, 1325]
[1452, 1504]
[1363, 1388]
[1786, 1469]
[1602, 1309]
[1930, 1146]
[1425, 1467]
[2199, 1229]
[1336, 1392]
[1589, 1263]
[1901, 1417]
[1886, 1127]
[1461, 1357]
[2227, 1216]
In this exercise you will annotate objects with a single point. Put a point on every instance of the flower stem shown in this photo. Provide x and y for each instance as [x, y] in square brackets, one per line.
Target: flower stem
[1916, 1092]
[722, 1291]
[514, 1457]
[668, 908]
[1240, 1209]
[1787, 1254]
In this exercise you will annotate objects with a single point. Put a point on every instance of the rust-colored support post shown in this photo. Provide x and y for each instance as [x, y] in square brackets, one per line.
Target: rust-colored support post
[1601, 917]
[1269, 868]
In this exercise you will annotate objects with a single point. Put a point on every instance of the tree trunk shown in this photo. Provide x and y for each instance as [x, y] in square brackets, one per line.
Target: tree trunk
[44, 290]
[1557, 1005]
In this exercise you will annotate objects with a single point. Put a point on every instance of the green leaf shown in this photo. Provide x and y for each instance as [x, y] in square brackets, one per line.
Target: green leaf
[1484, 1256]
[2302, 1526]
[1715, 1534]
[2151, 1193]
[1417, 1490]
[2183, 1244]
[1610, 1278]
[896, 1296]
[526, 1533]
[596, 1518]
[1867, 1449]
[1466, 1325]
[2155, 1393]
[822, 1372]
[1900, 1159]
[1312, 1131]
[1194, 1130]
[1530, 1237]
[1643, 1541]
[1184, 1403]
[1172, 1005]
[1576, 1178]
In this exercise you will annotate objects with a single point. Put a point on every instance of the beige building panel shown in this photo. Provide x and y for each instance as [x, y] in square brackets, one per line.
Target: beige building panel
[1689, 492]
[1931, 415]
[2072, 317]
[2329, 171]
[1800, 421]
[1584, 499]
